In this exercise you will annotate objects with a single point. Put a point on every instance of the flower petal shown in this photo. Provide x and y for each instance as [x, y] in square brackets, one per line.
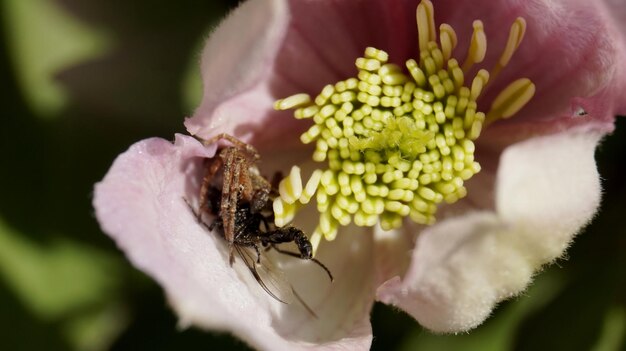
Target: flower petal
[548, 188]
[140, 205]
[573, 53]
[288, 47]
[237, 59]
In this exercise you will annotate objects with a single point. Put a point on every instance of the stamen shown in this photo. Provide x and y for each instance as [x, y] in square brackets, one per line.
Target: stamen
[516, 34]
[293, 101]
[447, 37]
[311, 186]
[290, 188]
[511, 99]
[478, 47]
[478, 83]
[425, 17]
[315, 240]
[283, 212]
[398, 142]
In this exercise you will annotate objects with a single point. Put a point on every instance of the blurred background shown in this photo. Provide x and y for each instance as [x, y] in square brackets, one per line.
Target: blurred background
[83, 80]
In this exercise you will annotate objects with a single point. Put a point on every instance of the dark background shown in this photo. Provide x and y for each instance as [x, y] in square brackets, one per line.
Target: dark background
[82, 80]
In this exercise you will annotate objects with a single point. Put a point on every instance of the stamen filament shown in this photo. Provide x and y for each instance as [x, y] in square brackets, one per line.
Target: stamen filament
[478, 47]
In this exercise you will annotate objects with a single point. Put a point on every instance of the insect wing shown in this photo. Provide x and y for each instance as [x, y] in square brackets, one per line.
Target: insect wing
[270, 278]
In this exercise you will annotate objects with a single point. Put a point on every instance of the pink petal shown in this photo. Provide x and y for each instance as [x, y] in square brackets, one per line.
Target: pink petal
[236, 62]
[572, 51]
[574, 55]
[140, 205]
[303, 46]
[548, 188]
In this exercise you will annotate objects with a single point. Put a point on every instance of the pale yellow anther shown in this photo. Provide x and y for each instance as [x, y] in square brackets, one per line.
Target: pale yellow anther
[427, 193]
[284, 212]
[393, 78]
[479, 82]
[478, 46]
[515, 96]
[516, 34]
[324, 95]
[436, 55]
[377, 54]
[290, 188]
[475, 130]
[311, 186]
[390, 221]
[416, 72]
[293, 101]
[448, 40]
[315, 240]
[306, 112]
[370, 65]
[425, 16]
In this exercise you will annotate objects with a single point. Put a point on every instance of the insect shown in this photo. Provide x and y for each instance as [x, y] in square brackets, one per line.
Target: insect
[241, 183]
[241, 207]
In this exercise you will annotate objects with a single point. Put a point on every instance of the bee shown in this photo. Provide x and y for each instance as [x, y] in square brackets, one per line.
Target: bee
[239, 201]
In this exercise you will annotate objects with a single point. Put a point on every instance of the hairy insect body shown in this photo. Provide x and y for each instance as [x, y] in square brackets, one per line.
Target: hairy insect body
[239, 201]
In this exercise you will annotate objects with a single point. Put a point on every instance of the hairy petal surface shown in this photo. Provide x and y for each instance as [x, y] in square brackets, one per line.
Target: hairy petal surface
[140, 205]
[236, 61]
[463, 266]
[548, 188]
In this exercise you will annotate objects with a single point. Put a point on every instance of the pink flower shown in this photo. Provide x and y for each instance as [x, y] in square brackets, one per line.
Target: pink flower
[538, 186]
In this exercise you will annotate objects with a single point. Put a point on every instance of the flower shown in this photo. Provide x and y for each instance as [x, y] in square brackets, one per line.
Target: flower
[538, 184]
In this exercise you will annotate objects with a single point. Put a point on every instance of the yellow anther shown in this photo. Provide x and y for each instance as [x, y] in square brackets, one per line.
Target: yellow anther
[425, 16]
[515, 96]
[376, 54]
[390, 221]
[393, 78]
[311, 134]
[516, 34]
[416, 72]
[290, 188]
[479, 82]
[293, 101]
[448, 40]
[306, 112]
[371, 65]
[478, 46]
[315, 240]
[436, 54]
[311, 186]
[284, 213]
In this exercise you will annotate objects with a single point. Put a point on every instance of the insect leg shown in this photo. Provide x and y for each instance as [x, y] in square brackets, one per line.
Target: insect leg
[297, 255]
[230, 196]
[212, 167]
[251, 150]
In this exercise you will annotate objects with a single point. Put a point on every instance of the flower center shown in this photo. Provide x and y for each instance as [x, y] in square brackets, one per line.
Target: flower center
[398, 144]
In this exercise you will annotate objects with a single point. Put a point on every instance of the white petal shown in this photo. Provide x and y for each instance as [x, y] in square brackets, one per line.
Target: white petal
[548, 188]
[140, 205]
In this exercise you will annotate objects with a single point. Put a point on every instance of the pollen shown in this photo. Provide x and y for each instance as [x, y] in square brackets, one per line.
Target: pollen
[398, 141]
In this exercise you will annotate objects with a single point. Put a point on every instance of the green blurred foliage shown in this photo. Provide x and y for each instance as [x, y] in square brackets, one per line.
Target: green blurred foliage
[82, 80]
